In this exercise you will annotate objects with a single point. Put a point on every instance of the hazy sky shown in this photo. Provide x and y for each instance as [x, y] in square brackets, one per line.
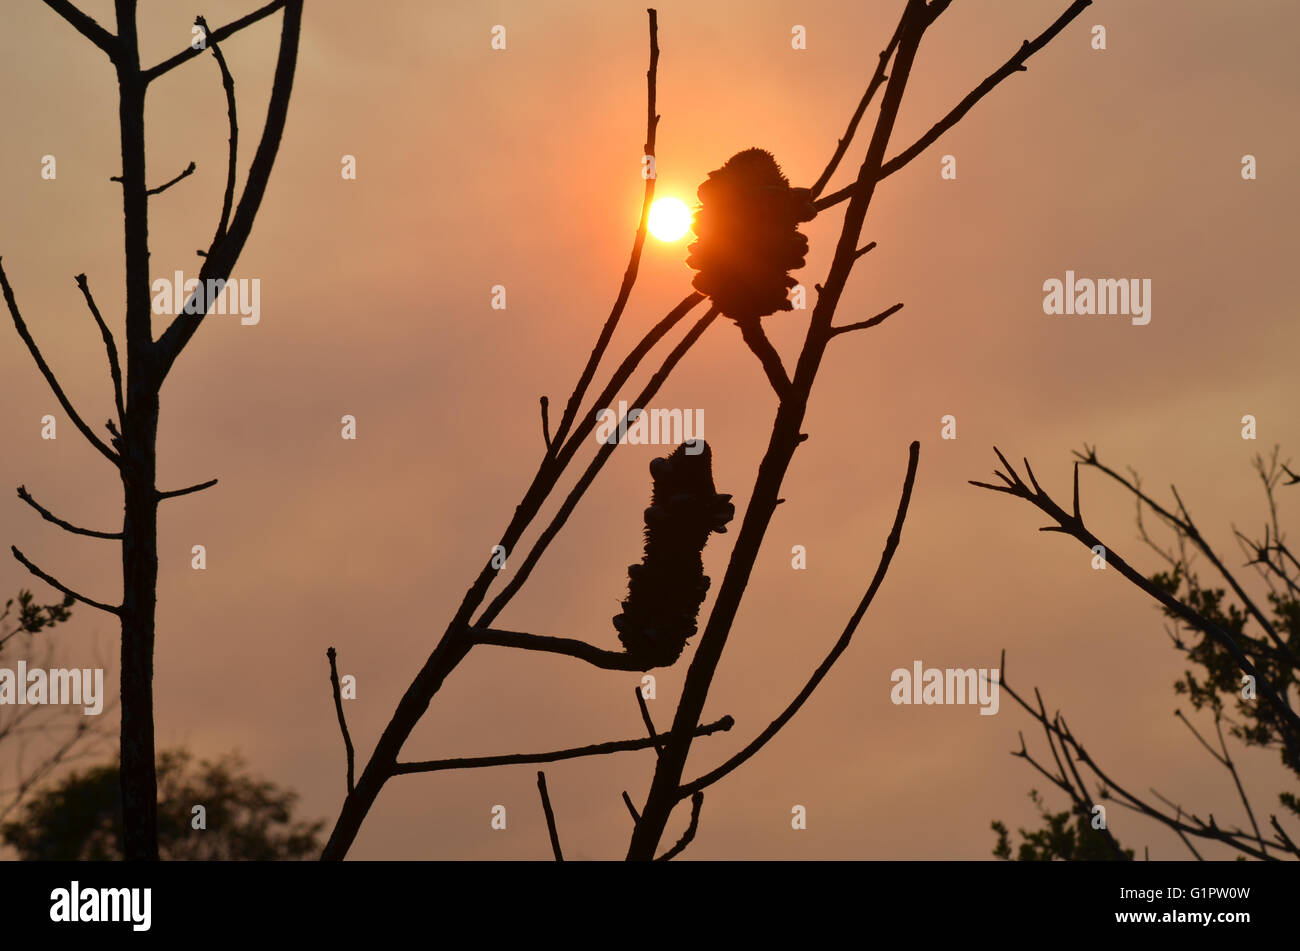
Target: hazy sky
[521, 167]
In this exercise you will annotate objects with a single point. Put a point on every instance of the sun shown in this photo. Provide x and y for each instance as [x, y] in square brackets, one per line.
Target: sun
[670, 219]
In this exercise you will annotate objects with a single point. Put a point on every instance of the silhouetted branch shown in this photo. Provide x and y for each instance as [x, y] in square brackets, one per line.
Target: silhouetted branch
[550, 816]
[66, 526]
[55, 583]
[86, 26]
[842, 146]
[570, 647]
[589, 475]
[175, 493]
[865, 249]
[1184, 525]
[222, 257]
[185, 173]
[49, 374]
[627, 801]
[516, 759]
[634, 261]
[228, 84]
[546, 423]
[751, 331]
[1072, 525]
[332, 654]
[1014, 65]
[645, 717]
[697, 803]
[230, 29]
[114, 366]
[886, 556]
[880, 318]
[1056, 729]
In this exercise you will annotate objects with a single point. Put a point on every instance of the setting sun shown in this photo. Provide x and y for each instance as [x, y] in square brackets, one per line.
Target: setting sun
[669, 219]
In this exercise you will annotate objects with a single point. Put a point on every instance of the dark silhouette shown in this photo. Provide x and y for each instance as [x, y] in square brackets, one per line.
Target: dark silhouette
[132, 449]
[80, 818]
[1244, 679]
[464, 632]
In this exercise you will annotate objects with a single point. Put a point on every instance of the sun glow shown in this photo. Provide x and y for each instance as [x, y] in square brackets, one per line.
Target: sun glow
[670, 219]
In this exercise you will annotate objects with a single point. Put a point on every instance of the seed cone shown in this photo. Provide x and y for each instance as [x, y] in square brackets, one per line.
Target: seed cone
[666, 590]
[748, 237]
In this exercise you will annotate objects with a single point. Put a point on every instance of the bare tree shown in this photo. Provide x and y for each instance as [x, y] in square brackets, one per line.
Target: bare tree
[464, 632]
[132, 446]
[1255, 671]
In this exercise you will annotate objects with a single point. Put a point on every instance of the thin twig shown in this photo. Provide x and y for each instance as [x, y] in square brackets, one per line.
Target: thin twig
[66, 526]
[332, 654]
[548, 644]
[886, 556]
[174, 493]
[751, 331]
[515, 759]
[228, 84]
[880, 318]
[634, 260]
[86, 26]
[697, 803]
[55, 583]
[185, 173]
[1014, 65]
[149, 75]
[49, 374]
[645, 717]
[550, 816]
[546, 424]
[114, 366]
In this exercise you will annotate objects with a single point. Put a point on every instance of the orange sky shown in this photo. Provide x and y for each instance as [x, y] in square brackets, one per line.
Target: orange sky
[522, 167]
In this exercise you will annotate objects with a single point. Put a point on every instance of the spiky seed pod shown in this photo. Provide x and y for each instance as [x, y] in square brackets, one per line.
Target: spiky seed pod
[748, 237]
[665, 591]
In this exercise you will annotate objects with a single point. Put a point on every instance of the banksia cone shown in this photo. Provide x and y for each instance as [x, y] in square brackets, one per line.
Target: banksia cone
[747, 225]
[665, 591]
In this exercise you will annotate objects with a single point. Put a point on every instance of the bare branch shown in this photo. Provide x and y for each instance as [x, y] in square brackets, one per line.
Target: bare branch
[550, 816]
[114, 366]
[627, 801]
[1014, 65]
[634, 260]
[593, 468]
[332, 654]
[1289, 722]
[54, 583]
[697, 803]
[66, 526]
[645, 717]
[877, 78]
[570, 647]
[86, 26]
[228, 84]
[185, 173]
[891, 545]
[49, 374]
[880, 318]
[221, 260]
[546, 423]
[175, 493]
[230, 29]
[865, 249]
[751, 331]
[515, 759]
